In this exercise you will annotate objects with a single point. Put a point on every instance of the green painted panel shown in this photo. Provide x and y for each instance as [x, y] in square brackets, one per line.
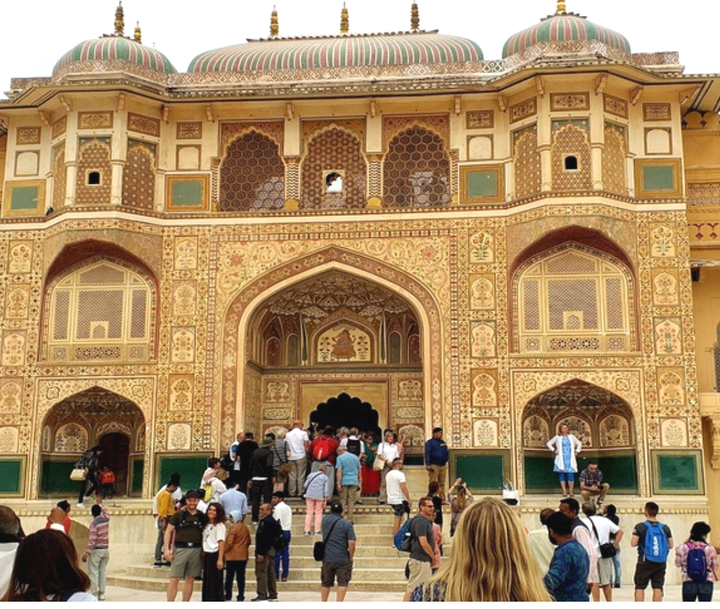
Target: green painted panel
[190, 468]
[187, 193]
[55, 477]
[620, 471]
[482, 184]
[138, 466]
[677, 472]
[414, 460]
[659, 177]
[24, 198]
[480, 472]
[11, 471]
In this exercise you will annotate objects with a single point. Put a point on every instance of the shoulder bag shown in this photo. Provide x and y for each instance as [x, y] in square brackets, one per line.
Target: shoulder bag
[78, 473]
[319, 547]
[607, 550]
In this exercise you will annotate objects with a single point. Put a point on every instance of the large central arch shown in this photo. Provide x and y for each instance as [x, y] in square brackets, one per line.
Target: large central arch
[246, 302]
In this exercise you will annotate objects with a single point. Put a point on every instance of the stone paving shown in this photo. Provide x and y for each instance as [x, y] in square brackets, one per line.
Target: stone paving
[115, 594]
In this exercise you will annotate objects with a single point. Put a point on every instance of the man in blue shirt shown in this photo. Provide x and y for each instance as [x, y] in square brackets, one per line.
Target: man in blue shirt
[349, 479]
[566, 579]
[436, 459]
[234, 501]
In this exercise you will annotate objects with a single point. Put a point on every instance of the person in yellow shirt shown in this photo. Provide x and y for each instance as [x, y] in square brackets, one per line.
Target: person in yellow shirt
[166, 507]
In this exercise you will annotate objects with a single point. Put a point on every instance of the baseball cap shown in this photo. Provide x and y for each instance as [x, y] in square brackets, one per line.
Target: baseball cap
[192, 494]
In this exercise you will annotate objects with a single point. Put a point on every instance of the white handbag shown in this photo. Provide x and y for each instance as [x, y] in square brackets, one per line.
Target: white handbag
[78, 473]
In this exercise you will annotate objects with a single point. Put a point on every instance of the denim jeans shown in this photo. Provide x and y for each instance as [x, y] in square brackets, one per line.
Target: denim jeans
[617, 568]
[284, 557]
[701, 591]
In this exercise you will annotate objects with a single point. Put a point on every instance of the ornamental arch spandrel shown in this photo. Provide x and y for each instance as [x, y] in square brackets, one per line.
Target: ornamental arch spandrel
[626, 384]
[234, 331]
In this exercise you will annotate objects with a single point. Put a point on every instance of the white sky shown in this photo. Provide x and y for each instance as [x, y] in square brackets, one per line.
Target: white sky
[35, 34]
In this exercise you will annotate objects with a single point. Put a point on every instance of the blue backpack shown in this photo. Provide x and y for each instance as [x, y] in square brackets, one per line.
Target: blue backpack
[403, 538]
[696, 564]
[656, 544]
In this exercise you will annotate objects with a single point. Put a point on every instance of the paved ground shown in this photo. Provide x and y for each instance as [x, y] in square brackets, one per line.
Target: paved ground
[672, 594]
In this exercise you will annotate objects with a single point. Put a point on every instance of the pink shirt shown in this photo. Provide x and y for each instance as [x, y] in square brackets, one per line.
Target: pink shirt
[711, 558]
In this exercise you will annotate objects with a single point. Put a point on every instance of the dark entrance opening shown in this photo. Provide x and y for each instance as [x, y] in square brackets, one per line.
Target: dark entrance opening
[116, 455]
[346, 411]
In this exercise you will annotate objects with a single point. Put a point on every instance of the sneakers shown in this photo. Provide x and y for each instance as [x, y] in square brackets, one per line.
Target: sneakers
[284, 579]
[80, 506]
[260, 599]
[158, 563]
[101, 597]
[307, 533]
[599, 504]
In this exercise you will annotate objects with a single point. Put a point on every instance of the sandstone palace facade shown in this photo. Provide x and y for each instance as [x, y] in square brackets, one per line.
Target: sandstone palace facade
[384, 226]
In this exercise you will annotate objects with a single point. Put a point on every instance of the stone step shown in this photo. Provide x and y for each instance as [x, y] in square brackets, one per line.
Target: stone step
[157, 584]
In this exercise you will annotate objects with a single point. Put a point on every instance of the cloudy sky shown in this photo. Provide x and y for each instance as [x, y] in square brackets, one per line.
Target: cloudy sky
[36, 34]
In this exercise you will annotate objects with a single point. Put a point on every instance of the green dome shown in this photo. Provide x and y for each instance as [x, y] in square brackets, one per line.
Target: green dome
[111, 49]
[564, 27]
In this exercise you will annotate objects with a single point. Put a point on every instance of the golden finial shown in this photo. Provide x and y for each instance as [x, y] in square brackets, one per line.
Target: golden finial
[414, 18]
[344, 20]
[119, 21]
[274, 27]
[561, 8]
[138, 33]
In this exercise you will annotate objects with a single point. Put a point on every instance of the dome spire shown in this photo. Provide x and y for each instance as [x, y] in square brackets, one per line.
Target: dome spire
[274, 26]
[414, 18]
[561, 8]
[138, 33]
[119, 20]
[344, 20]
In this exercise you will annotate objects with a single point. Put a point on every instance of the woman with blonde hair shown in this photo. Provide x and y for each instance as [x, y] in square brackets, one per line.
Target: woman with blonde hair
[490, 560]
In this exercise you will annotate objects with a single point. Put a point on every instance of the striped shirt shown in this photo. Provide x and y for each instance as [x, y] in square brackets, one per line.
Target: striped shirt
[99, 532]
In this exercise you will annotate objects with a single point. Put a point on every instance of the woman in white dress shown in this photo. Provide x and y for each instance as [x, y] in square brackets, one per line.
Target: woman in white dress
[565, 446]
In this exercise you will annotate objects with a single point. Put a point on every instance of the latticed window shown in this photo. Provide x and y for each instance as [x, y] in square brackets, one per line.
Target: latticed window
[252, 175]
[614, 158]
[139, 176]
[573, 300]
[100, 312]
[571, 156]
[416, 170]
[526, 158]
[328, 153]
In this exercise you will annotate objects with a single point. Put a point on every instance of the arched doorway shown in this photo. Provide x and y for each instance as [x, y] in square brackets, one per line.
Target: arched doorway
[330, 334]
[347, 411]
[601, 420]
[94, 416]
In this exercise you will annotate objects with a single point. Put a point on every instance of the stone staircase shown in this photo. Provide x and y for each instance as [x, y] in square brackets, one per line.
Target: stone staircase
[378, 565]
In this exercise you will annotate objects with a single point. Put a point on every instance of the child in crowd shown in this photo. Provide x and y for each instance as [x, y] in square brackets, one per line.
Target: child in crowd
[107, 482]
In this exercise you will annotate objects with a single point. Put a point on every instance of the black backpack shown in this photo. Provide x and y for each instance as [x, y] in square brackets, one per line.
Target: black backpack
[353, 446]
[279, 542]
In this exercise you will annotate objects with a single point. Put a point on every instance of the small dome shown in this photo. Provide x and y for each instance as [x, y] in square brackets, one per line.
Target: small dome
[564, 27]
[354, 51]
[111, 49]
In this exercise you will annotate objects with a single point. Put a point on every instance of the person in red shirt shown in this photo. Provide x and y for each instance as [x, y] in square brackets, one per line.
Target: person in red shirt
[64, 505]
[107, 481]
[323, 450]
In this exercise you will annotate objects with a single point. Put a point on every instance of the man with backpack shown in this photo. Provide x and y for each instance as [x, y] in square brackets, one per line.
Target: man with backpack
[323, 449]
[268, 539]
[422, 547]
[699, 563]
[654, 542]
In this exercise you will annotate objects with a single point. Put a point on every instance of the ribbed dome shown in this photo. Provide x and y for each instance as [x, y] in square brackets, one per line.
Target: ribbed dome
[110, 49]
[366, 51]
[564, 27]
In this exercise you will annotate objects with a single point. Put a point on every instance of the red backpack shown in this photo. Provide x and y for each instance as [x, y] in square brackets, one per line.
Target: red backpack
[321, 450]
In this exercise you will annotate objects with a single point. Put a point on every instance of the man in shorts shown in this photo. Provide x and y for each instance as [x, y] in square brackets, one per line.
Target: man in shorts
[650, 569]
[397, 494]
[187, 524]
[601, 529]
[339, 537]
[422, 547]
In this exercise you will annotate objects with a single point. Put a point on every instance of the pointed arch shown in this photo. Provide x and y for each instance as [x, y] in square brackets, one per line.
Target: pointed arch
[333, 149]
[252, 174]
[417, 169]
[244, 304]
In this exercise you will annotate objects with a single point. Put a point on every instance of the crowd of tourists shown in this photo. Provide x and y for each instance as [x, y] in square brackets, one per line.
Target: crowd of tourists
[202, 533]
